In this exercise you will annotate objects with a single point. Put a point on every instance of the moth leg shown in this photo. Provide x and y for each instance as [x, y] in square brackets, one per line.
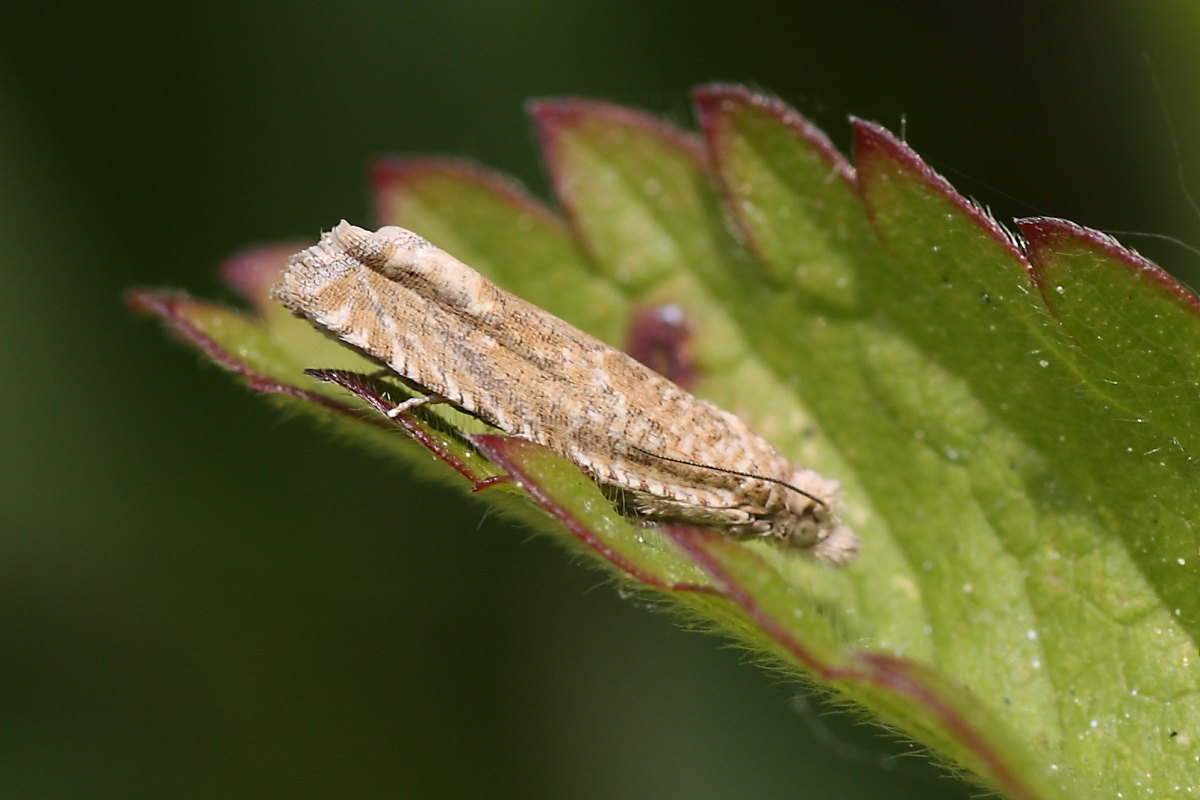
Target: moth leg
[424, 396]
[414, 402]
[732, 519]
[391, 374]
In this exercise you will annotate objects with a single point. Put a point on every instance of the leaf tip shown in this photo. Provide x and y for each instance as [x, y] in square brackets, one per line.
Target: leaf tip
[555, 118]
[1047, 237]
[141, 300]
[396, 179]
[710, 99]
[717, 103]
[251, 273]
[881, 156]
[182, 315]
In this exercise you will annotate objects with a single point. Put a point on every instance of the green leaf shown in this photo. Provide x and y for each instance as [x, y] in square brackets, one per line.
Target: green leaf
[1012, 421]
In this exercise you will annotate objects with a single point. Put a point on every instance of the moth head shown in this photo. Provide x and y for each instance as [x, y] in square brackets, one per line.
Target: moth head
[817, 528]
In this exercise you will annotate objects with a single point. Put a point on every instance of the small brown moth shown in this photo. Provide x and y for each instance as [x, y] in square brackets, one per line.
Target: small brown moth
[444, 328]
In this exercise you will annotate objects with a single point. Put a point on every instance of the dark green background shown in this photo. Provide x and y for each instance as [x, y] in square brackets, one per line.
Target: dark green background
[199, 598]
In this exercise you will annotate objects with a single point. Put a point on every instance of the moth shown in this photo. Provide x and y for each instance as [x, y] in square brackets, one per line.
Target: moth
[458, 338]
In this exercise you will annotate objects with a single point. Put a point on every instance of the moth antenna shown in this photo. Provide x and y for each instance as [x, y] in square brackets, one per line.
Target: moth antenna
[750, 475]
